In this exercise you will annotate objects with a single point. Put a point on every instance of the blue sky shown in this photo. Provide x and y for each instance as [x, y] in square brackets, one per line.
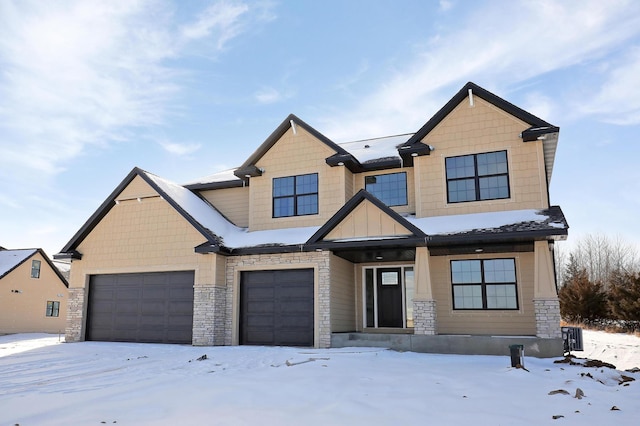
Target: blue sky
[90, 89]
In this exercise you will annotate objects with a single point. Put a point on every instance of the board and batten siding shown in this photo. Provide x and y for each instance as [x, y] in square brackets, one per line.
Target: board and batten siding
[343, 295]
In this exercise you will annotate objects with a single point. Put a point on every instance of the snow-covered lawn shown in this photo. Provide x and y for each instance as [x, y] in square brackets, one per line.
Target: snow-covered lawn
[45, 382]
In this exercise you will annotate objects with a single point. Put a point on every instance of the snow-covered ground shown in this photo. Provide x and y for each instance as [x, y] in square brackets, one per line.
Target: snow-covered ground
[46, 382]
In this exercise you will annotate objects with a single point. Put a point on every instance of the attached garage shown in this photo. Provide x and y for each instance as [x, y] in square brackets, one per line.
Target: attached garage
[148, 307]
[276, 307]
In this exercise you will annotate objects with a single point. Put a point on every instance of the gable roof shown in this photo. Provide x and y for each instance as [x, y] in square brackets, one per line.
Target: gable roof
[11, 259]
[198, 212]
[349, 207]
[539, 129]
[248, 168]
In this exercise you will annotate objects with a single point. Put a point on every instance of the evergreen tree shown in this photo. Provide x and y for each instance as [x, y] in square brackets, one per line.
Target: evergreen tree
[580, 299]
[624, 296]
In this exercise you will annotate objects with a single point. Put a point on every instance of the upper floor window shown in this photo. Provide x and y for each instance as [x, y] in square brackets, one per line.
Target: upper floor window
[477, 177]
[484, 284]
[391, 188]
[53, 308]
[295, 195]
[35, 269]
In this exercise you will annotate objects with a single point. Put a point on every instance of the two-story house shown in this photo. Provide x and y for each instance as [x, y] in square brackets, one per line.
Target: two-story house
[436, 241]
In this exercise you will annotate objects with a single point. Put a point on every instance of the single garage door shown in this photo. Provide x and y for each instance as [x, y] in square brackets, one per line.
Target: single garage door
[276, 307]
[149, 307]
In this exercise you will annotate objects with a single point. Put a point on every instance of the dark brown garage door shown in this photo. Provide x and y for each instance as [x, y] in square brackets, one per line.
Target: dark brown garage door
[276, 307]
[149, 307]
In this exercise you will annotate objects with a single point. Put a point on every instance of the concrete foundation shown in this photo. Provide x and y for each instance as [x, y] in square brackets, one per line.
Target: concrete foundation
[451, 344]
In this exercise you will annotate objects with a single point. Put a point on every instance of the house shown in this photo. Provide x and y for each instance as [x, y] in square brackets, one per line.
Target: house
[436, 241]
[33, 293]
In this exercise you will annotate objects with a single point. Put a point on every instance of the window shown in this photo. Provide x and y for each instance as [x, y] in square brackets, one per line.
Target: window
[484, 284]
[53, 309]
[391, 189]
[477, 177]
[35, 269]
[295, 195]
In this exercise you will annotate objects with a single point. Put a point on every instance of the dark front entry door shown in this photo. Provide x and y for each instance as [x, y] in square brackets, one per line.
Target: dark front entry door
[389, 297]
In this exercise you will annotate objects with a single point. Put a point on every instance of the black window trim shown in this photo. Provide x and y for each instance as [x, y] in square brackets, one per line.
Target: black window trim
[294, 196]
[477, 177]
[406, 189]
[483, 285]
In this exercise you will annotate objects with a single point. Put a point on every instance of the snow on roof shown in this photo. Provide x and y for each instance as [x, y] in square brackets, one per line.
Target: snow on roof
[373, 149]
[9, 259]
[456, 224]
[232, 236]
[221, 176]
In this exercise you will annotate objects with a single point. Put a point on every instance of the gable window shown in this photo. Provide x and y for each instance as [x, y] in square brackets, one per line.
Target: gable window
[477, 177]
[484, 284]
[35, 269]
[53, 309]
[391, 188]
[295, 195]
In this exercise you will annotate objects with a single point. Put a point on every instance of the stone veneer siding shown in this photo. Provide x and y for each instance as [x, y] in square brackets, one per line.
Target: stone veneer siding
[209, 315]
[75, 315]
[424, 317]
[235, 264]
[547, 318]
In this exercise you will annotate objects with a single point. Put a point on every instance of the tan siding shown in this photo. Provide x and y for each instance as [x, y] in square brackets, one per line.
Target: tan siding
[343, 315]
[296, 155]
[521, 322]
[350, 189]
[367, 220]
[143, 236]
[138, 188]
[231, 202]
[25, 312]
[411, 190]
[473, 130]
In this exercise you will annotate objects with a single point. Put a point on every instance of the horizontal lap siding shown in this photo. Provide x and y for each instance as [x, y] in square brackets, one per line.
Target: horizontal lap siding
[494, 322]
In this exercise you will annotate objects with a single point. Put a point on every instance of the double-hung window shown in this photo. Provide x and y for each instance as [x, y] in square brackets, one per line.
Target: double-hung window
[477, 177]
[295, 195]
[53, 308]
[35, 268]
[484, 284]
[391, 188]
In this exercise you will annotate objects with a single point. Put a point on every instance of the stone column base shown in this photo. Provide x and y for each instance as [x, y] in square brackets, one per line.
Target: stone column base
[75, 315]
[547, 318]
[424, 317]
[209, 315]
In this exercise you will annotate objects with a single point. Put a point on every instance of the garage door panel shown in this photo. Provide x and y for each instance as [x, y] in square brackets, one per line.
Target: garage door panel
[147, 307]
[277, 307]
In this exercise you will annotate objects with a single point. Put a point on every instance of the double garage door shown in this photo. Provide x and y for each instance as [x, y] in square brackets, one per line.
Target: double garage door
[276, 307]
[148, 307]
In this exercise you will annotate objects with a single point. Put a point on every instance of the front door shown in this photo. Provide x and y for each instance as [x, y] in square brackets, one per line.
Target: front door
[388, 296]
[389, 283]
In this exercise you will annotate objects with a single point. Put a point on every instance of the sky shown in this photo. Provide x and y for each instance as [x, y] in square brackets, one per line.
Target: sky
[46, 382]
[90, 89]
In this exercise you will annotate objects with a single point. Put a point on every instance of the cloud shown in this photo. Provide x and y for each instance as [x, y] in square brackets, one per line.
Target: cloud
[499, 46]
[270, 95]
[617, 100]
[79, 74]
[180, 148]
[221, 18]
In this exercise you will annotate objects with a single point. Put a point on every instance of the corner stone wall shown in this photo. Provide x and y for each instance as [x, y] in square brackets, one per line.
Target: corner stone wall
[75, 315]
[547, 318]
[209, 315]
[424, 317]
[258, 262]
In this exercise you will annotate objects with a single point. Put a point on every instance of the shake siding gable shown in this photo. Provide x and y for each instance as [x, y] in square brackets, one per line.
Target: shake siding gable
[293, 155]
[366, 221]
[233, 203]
[472, 130]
